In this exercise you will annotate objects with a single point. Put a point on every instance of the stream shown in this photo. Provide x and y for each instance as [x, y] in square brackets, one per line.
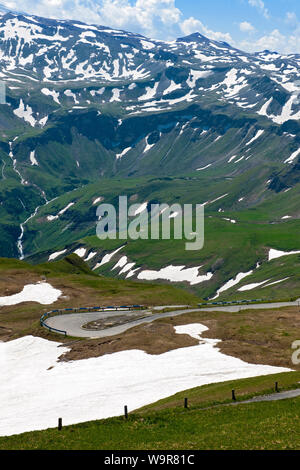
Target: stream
[25, 183]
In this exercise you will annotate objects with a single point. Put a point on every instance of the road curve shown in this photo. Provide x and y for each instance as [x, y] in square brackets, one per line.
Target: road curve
[72, 323]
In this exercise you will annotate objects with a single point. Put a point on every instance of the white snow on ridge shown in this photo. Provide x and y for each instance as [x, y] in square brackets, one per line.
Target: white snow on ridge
[70, 94]
[233, 84]
[91, 256]
[150, 93]
[176, 274]
[276, 282]
[257, 136]
[231, 283]
[204, 168]
[215, 200]
[274, 254]
[98, 199]
[106, 259]
[126, 268]
[172, 87]
[33, 159]
[42, 292]
[115, 95]
[55, 217]
[66, 208]
[25, 112]
[81, 252]
[293, 156]
[54, 94]
[286, 113]
[121, 263]
[147, 44]
[56, 255]
[264, 108]
[252, 286]
[240, 159]
[97, 388]
[148, 147]
[195, 75]
[43, 121]
[120, 155]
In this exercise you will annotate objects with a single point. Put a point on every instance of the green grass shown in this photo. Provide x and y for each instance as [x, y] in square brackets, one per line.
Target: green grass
[228, 249]
[220, 393]
[266, 425]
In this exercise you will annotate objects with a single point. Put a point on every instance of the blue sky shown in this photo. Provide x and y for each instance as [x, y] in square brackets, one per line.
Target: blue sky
[247, 24]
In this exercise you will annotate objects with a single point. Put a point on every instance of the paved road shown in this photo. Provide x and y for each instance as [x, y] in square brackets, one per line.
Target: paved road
[72, 323]
[273, 396]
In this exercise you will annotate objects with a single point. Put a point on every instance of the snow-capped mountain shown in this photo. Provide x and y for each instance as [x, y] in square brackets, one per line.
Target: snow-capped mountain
[59, 54]
[86, 102]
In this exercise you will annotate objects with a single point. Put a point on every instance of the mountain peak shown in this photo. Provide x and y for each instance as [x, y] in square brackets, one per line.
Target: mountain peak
[194, 37]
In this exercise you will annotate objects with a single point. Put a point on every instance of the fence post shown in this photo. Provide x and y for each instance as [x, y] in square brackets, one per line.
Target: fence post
[233, 395]
[186, 403]
[126, 412]
[276, 387]
[59, 424]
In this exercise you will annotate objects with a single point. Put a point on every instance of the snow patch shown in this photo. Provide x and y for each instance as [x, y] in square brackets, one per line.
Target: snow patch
[96, 388]
[176, 274]
[274, 254]
[42, 292]
[56, 255]
[81, 252]
[33, 159]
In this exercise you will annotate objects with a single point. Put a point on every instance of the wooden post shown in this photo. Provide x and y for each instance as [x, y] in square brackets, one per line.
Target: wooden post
[186, 403]
[276, 387]
[59, 424]
[233, 395]
[126, 412]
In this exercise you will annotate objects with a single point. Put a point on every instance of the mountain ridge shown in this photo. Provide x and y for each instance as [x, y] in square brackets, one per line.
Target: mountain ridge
[87, 104]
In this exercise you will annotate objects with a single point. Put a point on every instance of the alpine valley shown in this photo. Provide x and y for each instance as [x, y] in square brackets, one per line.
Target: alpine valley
[92, 113]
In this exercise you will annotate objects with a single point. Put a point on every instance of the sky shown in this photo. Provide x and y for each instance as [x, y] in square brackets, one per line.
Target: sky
[250, 25]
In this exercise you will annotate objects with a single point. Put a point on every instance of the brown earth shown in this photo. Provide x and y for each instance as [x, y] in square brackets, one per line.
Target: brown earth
[153, 338]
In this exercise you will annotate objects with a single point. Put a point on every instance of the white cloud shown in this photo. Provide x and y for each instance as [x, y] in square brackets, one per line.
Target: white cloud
[161, 19]
[259, 4]
[192, 25]
[291, 18]
[246, 27]
[274, 41]
[155, 18]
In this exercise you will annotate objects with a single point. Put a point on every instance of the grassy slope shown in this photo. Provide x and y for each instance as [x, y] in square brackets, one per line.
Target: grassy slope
[229, 248]
[166, 425]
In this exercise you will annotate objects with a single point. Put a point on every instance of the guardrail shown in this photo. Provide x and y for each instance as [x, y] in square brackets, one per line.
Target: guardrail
[233, 302]
[63, 311]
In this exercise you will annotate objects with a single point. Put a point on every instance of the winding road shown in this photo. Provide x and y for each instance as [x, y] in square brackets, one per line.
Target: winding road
[72, 323]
